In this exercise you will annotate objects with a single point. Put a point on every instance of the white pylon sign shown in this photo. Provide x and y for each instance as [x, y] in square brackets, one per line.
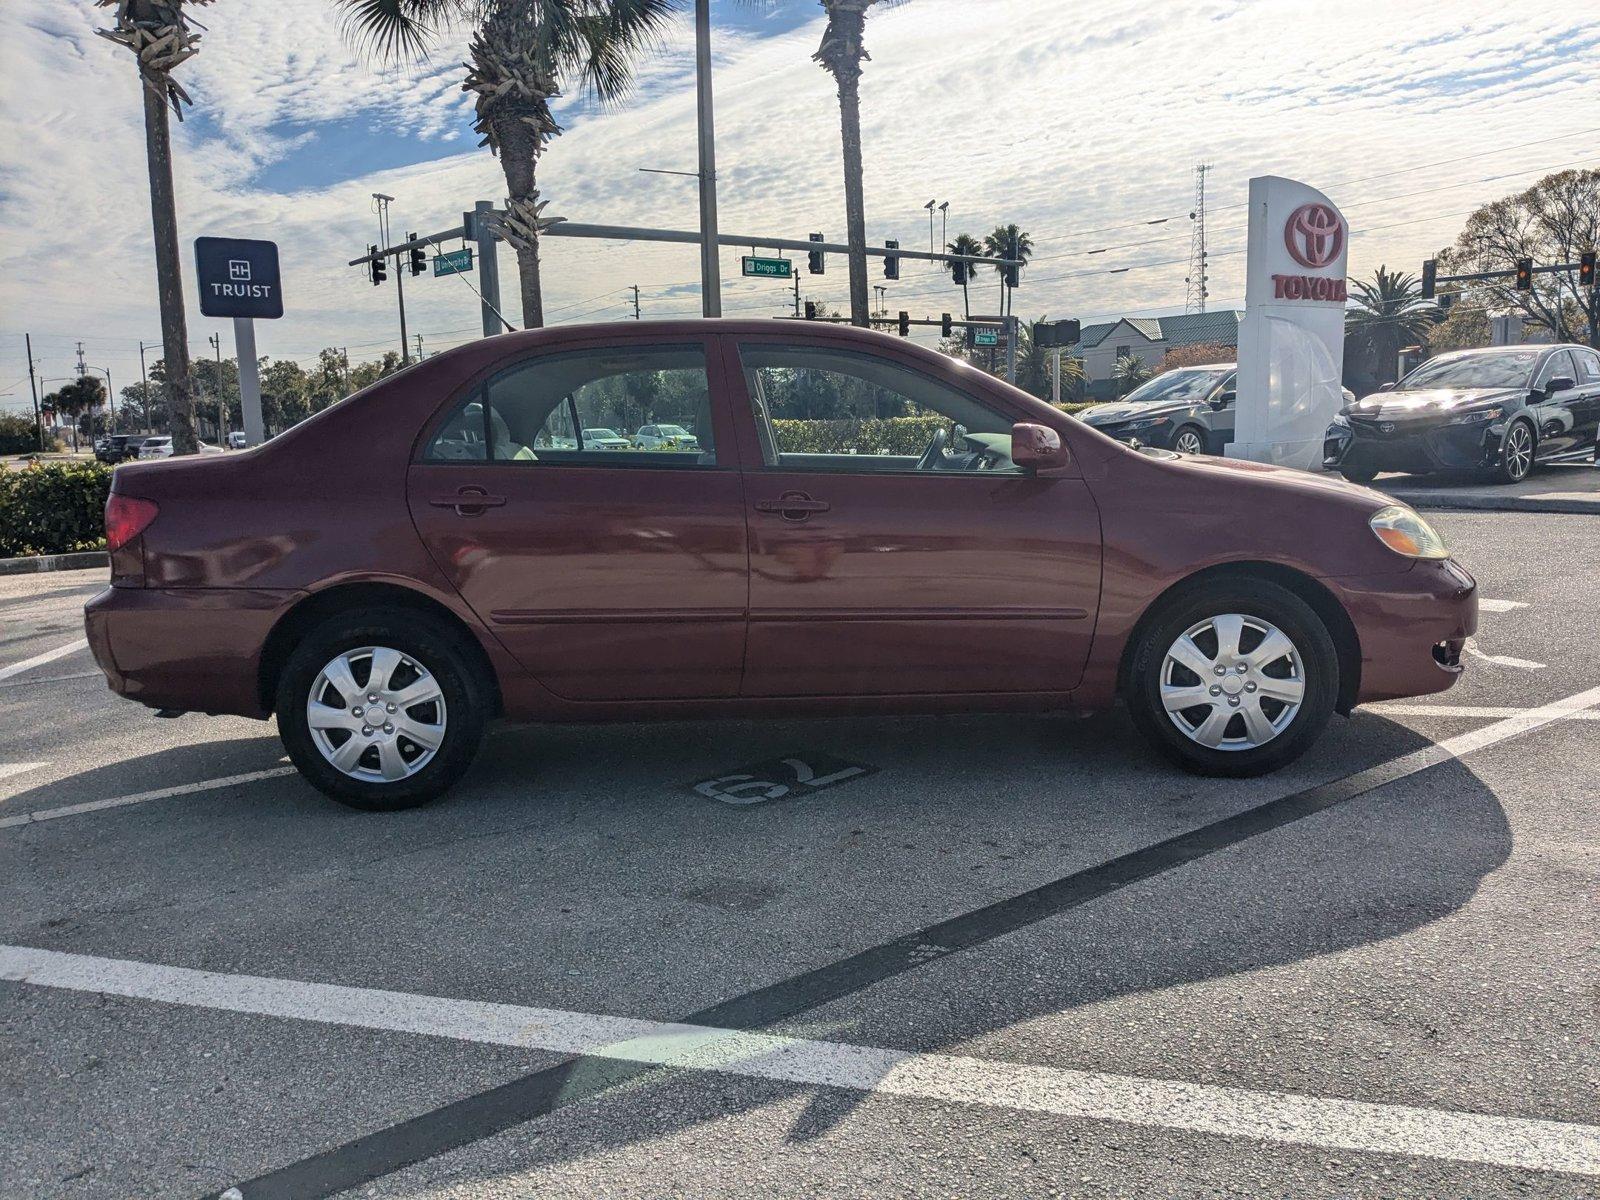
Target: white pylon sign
[1291, 342]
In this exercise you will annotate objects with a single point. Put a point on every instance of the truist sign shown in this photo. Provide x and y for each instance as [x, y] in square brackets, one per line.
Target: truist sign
[1291, 343]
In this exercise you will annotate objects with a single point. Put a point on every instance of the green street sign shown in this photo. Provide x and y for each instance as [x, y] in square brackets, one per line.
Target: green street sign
[452, 262]
[985, 337]
[767, 268]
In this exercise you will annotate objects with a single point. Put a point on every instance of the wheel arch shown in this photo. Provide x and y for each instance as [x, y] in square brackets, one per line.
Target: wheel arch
[1203, 433]
[1346, 642]
[316, 608]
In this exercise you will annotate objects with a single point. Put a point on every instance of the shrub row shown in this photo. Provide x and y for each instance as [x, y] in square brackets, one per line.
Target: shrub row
[53, 508]
[873, 435]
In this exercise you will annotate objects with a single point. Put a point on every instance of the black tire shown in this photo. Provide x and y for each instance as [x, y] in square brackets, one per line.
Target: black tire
[453, 664]
[1200, 440]
[1513, 467]
[1250, 597]
[1359, 475]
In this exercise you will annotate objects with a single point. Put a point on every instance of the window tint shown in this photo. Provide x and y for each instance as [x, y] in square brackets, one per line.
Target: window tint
[1500, 368]
[576, 407]
[1558, 364]
[1588, 366]
[829, 410]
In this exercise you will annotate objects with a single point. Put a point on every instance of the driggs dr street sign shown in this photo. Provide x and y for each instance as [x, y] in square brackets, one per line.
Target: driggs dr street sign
[238, 278]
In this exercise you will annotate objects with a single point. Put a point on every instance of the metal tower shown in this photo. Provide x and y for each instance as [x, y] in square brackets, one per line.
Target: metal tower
[1194, 298]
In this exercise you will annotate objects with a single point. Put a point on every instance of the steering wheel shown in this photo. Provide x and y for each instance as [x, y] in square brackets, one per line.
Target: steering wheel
[934, 454]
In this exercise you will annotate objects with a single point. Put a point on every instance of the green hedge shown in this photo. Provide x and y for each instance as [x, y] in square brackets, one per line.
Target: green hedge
[53, 508]
[877, 435]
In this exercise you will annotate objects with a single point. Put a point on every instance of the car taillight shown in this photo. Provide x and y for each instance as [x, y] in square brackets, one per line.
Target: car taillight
[126, 518]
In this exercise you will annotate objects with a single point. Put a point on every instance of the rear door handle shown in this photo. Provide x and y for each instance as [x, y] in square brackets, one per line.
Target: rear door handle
[468, 501]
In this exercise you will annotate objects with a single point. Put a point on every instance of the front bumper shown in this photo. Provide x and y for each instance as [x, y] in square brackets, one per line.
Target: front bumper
[1158, 435]
[1413, 447]
[196, 649]
[1412, 627]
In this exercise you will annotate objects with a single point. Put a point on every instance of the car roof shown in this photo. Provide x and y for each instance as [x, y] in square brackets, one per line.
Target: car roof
[1536, 347]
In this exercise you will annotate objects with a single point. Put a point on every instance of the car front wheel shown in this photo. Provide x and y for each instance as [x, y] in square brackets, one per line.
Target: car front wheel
[382, 709]
[1189, 440]
[1233, 678]
[1516, 453]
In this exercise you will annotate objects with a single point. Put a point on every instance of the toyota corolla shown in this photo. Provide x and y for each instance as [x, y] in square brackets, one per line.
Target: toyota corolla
[864, 526]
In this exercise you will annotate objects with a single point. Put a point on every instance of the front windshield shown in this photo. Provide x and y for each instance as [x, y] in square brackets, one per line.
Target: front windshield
[1189, 384]
[592, 434]
[673, 430]
[1509, 370]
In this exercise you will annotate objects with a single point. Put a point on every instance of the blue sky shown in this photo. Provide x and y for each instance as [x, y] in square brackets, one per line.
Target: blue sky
[1082, 125]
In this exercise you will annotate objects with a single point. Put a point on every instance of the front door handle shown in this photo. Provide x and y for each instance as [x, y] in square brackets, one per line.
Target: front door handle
[469, 501]
[792, 506]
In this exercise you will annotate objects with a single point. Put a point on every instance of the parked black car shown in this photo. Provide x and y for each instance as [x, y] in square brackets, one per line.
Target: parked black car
[1189, 410]
[119, 447]
[1498, 410]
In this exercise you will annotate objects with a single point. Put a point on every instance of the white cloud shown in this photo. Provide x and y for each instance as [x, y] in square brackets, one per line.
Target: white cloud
[1064, 119]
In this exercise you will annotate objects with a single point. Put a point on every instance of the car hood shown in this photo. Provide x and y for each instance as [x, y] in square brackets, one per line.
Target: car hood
[1115, 413]
[1424, 401]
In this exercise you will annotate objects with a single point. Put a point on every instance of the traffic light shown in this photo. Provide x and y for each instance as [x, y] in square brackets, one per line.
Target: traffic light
[958, 272]
[419, 256]
[1447, 300]
[378, 268]
[944, 324]
[1524, 274]
[1586, 269]
[1430, 270]
[811, 310]
[815, 262]
[905, 323]
[1012, 274]
[891, 262]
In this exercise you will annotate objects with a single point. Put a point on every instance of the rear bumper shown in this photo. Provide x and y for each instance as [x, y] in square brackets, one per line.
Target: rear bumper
[197, 649]
[1411, 627]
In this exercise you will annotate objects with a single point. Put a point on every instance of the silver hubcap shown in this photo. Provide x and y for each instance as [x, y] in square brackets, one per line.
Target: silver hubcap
[1519, 451]
[1232, 682]
[1188, 443]
[376, 714]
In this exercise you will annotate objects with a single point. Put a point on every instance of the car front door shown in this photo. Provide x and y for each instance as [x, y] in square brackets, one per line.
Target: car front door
[1558, 413]
[1586, 398]
[608, 574]
[894, 548]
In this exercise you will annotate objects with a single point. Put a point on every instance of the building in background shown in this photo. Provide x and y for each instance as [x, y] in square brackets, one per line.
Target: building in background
[1147, 339]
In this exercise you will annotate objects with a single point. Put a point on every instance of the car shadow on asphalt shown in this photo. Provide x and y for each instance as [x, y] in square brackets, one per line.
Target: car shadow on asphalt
[590, 850]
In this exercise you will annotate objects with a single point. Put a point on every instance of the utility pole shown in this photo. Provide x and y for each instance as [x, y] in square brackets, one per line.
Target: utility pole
[930, 207]
[419, 346]
[944, 224]
[222, 402]
[1195, 294]
[82, 371]
[144, 382]
[33, 386]
[710, 261]
[382, 203]
[796, 278]
[636, 302]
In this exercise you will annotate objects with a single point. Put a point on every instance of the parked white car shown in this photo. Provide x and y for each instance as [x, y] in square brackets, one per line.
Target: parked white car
[161, 447]
[665, 437]
[604, 439]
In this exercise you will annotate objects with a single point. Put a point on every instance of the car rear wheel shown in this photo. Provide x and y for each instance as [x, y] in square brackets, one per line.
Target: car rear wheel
[382, 709]
[1233, 677]
[1189, 440]
[1516, 454]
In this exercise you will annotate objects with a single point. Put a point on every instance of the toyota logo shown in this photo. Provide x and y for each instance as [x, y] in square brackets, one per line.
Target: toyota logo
[1314, 235]
[1387, 427]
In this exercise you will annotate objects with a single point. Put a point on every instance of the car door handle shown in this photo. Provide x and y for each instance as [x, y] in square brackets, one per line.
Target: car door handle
[468, 501]
[792, 506]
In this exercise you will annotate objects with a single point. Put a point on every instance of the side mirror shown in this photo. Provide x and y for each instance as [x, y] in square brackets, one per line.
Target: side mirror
[1559, 384]
[1037, 447]
[1222, 401]
[1386, 387]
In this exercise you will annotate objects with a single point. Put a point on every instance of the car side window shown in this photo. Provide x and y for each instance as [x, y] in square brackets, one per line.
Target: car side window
[1588, 366]
[821, 409]
[1557, 365]
[575, 408]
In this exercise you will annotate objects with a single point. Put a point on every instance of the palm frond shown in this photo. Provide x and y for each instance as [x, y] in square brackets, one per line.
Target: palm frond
[394, 31]
[608, 39]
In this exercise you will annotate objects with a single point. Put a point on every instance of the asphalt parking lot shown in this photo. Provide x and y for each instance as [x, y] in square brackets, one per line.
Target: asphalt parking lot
[1014, 956]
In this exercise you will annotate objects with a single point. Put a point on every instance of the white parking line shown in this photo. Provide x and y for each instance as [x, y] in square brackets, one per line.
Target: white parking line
[1499, 606]
[1466, 711]
[1501, 660]
[183, 789]
[9, 769]
[1282, 1117]
[38, 660]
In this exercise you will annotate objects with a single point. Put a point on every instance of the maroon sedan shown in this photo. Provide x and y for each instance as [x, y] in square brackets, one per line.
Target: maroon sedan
[845, 523]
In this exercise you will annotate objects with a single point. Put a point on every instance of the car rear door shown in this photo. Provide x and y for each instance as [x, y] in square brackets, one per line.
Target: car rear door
[877, 565]
[609, 574]
[1559, 414]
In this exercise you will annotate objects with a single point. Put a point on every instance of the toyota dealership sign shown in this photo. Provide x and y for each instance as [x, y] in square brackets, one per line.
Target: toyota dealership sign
[1291, 342]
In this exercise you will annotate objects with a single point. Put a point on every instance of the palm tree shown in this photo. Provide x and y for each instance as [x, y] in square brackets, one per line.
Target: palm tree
[841, 55]
[1035, 362]
[523, 52]
[965, 243]
[158, 32]
[1007, 241]
[1389, 314]
[1129, 372]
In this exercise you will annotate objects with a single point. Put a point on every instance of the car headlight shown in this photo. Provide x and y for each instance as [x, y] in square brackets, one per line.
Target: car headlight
[1404, 532]
[1149, 422]
[1480, 416]
[1341, 421]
